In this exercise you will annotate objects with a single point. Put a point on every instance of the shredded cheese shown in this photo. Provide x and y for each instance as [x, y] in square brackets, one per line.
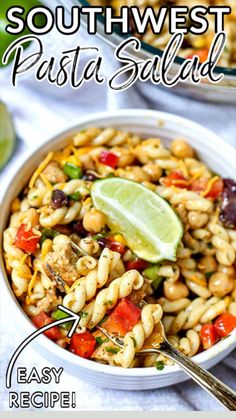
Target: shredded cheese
[46, 182]
[83, 150]
[46, 248]
[62, 156]
[23, 259]
[20, 269]
[32, 282]
[197, 175]
[210, 183]
[76, 155]
[39, 170]
[199, 281]
[183, 168]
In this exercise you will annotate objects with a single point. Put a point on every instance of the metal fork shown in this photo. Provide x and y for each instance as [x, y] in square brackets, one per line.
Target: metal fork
[205, 379]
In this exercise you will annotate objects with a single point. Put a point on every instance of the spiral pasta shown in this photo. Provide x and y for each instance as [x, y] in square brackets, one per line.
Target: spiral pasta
[151, 314]
[107, 298]
[85, 288]
[59, 249]
[16, 263]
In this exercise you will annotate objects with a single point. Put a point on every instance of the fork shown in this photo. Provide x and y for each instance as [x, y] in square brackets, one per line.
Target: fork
[205, 379]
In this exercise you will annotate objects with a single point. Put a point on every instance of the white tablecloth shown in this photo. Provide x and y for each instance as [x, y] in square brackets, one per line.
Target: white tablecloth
[40, 110]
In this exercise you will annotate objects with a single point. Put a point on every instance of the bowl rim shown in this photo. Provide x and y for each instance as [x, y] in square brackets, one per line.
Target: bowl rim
[228, 343]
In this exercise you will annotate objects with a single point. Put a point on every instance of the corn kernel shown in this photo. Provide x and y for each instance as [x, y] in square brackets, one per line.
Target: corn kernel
[119, 238]
[15, 206]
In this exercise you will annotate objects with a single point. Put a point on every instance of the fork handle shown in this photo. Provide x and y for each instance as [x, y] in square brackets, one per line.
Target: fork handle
[204, 378]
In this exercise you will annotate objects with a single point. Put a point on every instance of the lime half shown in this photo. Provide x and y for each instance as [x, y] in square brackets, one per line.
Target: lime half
[7, 135]
[149, 224]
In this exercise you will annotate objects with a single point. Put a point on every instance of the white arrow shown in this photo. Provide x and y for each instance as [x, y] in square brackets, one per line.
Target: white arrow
[73, 317]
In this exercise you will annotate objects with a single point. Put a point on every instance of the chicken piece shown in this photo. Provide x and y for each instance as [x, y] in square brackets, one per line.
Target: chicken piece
[50, 301]
[105, 350]
[63, 261]
[54, 173]
[136, 296]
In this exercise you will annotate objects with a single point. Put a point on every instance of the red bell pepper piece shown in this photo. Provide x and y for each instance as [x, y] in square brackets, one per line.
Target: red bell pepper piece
[26, 239]
[224, 324]
[216, 189]
[83, 344]
[200, 185]
[123, 318]
[137, 264]
[176, 179]
[201, 53]
[115, 246]
[42, 319]
[109, 159]
[208, 336]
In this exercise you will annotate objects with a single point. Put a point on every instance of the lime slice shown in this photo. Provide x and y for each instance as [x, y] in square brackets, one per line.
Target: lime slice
[7, 136]
[148, 223]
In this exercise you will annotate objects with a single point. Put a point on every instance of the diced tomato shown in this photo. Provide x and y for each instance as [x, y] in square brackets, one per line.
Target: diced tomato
[123, 318]
[208, 335]
[26, 239]
[83, 344]
[42, 319]
[108, 158]
[137, 264]
[216, 189]
[176, 179]
[224, 324]
[115, 246]
[200, 185]
[201, 53]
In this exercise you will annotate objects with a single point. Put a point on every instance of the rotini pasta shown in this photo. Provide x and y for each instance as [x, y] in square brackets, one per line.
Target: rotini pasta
[54, 224]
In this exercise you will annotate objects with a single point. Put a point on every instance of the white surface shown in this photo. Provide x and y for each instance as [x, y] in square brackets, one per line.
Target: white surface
[39, 111]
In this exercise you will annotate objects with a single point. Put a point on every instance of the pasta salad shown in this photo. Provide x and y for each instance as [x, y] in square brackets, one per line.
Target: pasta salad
[105, 282]
[193, 44]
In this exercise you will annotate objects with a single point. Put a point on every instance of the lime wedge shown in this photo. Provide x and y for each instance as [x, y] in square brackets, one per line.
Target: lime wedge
[148, 223]
[7, 135]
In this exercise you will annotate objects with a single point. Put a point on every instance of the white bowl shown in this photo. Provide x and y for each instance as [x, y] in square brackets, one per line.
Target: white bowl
[220, 157]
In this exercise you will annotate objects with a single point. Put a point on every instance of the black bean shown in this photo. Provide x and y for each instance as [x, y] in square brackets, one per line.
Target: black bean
[58, 199]
[228, 204]
[102, 241]
[90, 176]
[64, 229]
[79, 229]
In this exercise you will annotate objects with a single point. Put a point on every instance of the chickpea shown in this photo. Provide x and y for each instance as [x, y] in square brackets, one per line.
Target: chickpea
[135, 173]
[196, 219]
[228, 270]
[220, 284]
[126, 157]
[182, 213]
[94, 221]
[181, 149]
[208, 264]
[175, 290]
[153, 170]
